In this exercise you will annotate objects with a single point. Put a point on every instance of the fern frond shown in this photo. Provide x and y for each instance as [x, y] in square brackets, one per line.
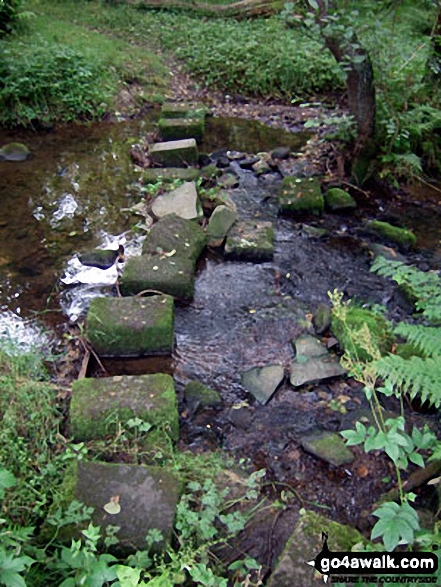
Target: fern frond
[426, 338]
[414, 376]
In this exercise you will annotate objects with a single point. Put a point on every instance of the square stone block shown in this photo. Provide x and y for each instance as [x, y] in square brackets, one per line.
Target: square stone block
[131, 327]
[301, 195]
[173, 129]
[251, 241]
[183, 153]
[97, 404]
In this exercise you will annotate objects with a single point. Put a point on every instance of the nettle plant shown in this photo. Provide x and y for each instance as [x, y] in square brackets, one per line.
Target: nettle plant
[417, 377]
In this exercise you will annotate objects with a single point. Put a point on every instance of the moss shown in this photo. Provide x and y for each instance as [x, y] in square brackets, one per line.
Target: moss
[251, 241]
[118, 327]
[173, 233]
[401, 236]
[169, 175]
[174, 129]
[338, 199]
[197, 393]
[183, 110]
[356, 318]
[301, 195]
[99, 404]
[172, 275]
[210, 172]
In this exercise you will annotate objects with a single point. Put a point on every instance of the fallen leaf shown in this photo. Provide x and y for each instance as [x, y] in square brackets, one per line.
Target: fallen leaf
[113, 507]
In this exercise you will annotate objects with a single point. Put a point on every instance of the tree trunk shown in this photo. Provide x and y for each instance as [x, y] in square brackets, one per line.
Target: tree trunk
[239, 10]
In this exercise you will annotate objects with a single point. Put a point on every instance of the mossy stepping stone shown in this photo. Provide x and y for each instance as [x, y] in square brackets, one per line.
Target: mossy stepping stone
[337, 199]
[183, 153]
[220, 223]
[169, 174]
[173, 129]
[172, 275]
[328, 446]
[313, 362]
[14, 152]
[133, 497]
[262, 382]
[199, 395]
[183, 110]
[131, 327]
[401, 236]
[99, 405]
[173, 233]
[305, 543]
[251, 240]
[182, 201]
[301, 195]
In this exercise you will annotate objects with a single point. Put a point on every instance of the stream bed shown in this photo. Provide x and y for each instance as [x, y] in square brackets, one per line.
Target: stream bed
[73, 195]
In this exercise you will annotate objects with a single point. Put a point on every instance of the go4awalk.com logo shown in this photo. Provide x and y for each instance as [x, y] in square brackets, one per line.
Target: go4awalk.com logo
[396, 567]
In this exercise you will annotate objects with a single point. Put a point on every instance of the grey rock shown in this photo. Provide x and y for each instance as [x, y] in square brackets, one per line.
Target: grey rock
[280, 153]
[183, 201]
[315, 369]
[220, 223]
[309, 346]
[262, 382]
[328, 446]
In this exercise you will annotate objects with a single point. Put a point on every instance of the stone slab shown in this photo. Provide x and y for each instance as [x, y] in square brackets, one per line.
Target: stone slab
[183, 153]
[262, 382]
[174, 129]
[305, 544]
[328, 446]
[99, 405]
[173, 233]
[182, 201]
[301, 195]
[147, 497]
[219, 224]
[131, 327]
[172, 275]
[309, 346]
[251, 240]
[313, 369]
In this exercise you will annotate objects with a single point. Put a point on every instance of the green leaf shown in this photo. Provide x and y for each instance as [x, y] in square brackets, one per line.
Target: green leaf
[313, 4]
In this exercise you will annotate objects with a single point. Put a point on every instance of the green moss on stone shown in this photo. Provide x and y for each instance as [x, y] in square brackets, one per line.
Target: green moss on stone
[301, 195]
[251, 241]
[169, 174]
[98, 405]
[172, 275]
[173, 233]
[126, 327]
[356, 318]
[173, 129]
[184, 110]
[338, 199]
[197, 393]
[401, 236]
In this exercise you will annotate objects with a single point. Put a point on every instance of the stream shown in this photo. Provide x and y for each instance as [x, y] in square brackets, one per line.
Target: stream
[73, 195]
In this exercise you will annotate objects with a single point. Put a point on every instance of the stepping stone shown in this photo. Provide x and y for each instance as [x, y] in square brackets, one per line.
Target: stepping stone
[173, 233]
[146, 496]
[338, 199]
[183, 110]
[172, 275]
[183, 201]
[305, 544]
[220, 223]
[199, 395]
[98, 404]
[401, 236]
[183, 153]
[328, 446]
[313, 362]
[251, 241]
[170, 174]
[174, 129]
[102, 259]
[262, 382]
[131, 327]
[301, 195]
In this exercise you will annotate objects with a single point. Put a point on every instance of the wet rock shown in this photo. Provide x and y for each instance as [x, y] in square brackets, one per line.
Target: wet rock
[170, 275]
[386, 252]
[338, 199]
[401, 236]
[126, 327]
[280, 153]
[235, 155]
[301, 195]
[313, 362]
[223, 162]
[210, 199]
[322, 318]
[219, 225]
[261, 167]
[184, 110]
[328, 446]
[251, 241]
[99, 405]
[169, 174]
[241, 417]
[314, 232]
[262, 382]
[181, 153]
[228, 181]
[174, 129]
[305, 544]
[14, 152]
[147, 497]
[183, 201]
[248, 163]
[173, 233]
[102, 259]
[199, 395]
